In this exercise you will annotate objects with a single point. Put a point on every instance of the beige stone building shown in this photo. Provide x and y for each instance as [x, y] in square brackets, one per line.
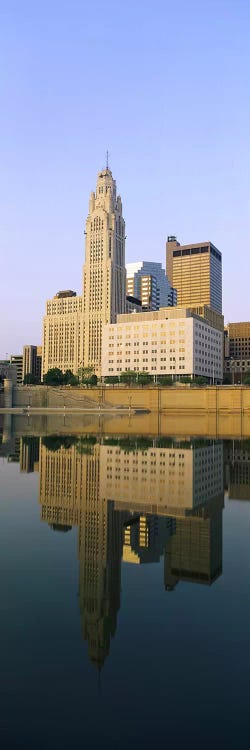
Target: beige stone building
[72, 329]
[63, 332]
[104, 273]
[172, 341]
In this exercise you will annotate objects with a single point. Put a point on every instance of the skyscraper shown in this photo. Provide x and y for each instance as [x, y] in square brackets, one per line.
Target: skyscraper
[72, 329]
[148, 282]
[104, 273]
[196, 272]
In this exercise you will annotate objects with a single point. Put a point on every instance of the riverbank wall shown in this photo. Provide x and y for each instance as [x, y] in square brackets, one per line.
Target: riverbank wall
[185, 400]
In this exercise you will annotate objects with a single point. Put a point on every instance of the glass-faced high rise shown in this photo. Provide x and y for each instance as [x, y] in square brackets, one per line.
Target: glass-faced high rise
[104, 273]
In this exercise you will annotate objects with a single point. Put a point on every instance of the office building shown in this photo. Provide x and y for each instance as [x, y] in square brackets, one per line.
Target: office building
[237, 351]
[32, 361]
[16, 360]
[196, 272]
[148, 282]
[104, 273]
[63, 328]
[172, 341]
[72, 330]
[133, 304]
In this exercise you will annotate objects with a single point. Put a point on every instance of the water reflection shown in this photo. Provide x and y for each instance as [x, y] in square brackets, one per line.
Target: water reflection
[237, 469]
[133, 500]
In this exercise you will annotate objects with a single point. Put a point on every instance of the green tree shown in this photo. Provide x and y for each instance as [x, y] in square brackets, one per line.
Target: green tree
[54, 376]
[165, 380]
[130, 376]
[55, 442]
[69, 378]
[144, 378]
[246, 379]
[200, 380]
[85, 444]
[92, 380]
[86, 375]
[30, 379]
[112, 379]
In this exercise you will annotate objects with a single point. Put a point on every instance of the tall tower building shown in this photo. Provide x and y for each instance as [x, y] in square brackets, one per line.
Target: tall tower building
[196, 272]
[104, 273]
[72, 326]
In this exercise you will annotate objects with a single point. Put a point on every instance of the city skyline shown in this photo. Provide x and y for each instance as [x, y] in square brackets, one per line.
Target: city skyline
[184, 172]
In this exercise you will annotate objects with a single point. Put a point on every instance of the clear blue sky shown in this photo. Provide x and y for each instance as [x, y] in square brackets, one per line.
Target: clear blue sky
[165, 87]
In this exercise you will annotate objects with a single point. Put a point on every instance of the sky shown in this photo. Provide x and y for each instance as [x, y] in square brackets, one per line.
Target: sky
[164, 86]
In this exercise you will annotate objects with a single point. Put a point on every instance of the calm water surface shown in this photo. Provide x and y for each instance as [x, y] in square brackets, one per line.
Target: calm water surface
[125, 569]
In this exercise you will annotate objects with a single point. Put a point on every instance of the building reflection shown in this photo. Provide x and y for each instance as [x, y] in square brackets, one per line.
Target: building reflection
[194, 552]
[133, 501]
[237, 469]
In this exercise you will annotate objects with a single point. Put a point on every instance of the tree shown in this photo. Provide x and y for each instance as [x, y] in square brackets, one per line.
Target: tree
[54, 376]
[130, 376]
[69, 378]
[112, 379]
[246, 379]
[92, 380]
[30, 379]
[55, 442]
[200, 380]
[165, 380]
[86, 376]
[144, 378]
[85, 444]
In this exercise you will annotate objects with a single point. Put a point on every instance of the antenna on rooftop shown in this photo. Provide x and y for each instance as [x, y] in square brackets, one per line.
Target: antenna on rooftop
[107, 160]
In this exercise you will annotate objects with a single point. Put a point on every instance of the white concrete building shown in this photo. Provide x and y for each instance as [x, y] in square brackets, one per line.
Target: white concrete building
[172, 341]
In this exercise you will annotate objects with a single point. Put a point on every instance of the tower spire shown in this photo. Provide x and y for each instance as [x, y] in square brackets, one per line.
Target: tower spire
[107, 160]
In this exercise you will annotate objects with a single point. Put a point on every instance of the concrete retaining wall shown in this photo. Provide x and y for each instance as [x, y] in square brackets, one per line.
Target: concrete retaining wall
[225, 399]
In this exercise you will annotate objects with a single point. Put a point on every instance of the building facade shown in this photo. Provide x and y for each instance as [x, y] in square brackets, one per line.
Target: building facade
[104, 273]
[72, 328]
[148, 282]
[172, 341]
[196, 272]
[32, 361]
[16, 360]
[237, 351]
[63, 333]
